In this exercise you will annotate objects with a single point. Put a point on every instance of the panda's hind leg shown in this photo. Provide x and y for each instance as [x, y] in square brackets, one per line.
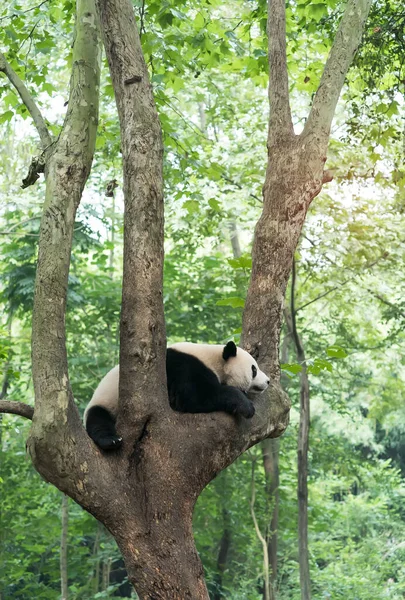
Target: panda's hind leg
[100, 425]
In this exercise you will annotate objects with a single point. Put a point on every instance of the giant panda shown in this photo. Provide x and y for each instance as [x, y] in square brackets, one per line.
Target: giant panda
[201, 378]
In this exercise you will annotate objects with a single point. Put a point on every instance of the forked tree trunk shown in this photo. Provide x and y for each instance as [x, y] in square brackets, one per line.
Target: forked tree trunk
[145, 493]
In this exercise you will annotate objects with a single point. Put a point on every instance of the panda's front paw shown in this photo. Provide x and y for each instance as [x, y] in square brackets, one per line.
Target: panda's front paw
[247, 410]
[110, 443]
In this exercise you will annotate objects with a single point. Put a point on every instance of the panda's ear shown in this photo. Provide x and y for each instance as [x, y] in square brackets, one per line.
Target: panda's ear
[229, 350]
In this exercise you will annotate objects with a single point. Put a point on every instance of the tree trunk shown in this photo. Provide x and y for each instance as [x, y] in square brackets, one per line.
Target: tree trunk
[270, 453]
[64, 549]
[266, 575]
[303, 445]
[225, 542]
[66, 173]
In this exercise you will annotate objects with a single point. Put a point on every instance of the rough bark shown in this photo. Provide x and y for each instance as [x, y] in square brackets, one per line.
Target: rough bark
[143, 339]
[58, 444]
[149, 488]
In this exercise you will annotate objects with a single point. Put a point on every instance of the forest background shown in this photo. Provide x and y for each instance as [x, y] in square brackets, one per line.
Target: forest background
[208, 65]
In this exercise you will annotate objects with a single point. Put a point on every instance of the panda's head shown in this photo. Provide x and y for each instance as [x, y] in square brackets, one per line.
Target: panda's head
[242, 371]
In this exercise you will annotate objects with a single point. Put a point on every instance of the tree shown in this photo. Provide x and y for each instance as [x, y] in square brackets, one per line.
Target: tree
[167, 458]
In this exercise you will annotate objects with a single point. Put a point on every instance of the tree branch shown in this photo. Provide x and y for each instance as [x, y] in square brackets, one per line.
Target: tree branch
[143, 336]
[347, 40]
[57, 436]
[16, 408]
[279, 97]
[39, 122]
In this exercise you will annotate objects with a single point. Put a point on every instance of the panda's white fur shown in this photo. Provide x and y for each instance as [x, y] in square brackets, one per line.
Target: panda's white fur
[200, 377]
[106, 393]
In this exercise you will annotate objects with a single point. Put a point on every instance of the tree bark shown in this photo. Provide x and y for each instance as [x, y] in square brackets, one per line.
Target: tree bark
[57, 443]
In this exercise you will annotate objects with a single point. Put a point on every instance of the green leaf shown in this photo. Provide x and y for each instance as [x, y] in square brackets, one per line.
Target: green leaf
[243, 262]
[316, 11]
[199, 21]
[336, 352]
[235, 302]
[191, 206]
[6, 116]
[291, 367]
[214, 204]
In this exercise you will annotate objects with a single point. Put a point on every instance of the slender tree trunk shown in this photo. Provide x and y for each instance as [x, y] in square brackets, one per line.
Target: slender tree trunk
[106, 573]
[226, 538]
[96, 555]
[223, 553]
[303, 445]
[266, 577]
[235, 240]
[270, 454]
[64, 549]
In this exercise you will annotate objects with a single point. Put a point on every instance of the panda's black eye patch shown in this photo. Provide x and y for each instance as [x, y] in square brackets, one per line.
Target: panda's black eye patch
[254, 371]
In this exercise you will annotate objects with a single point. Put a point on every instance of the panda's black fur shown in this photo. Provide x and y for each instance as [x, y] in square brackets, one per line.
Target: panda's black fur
[194, 388]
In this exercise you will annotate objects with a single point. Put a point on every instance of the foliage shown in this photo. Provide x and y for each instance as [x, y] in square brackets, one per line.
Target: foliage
[209, 72]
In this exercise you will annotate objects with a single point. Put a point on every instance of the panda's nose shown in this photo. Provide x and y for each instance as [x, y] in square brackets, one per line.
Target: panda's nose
[268, 381]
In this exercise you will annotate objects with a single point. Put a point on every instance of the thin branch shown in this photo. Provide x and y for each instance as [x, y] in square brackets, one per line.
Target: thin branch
[11, 15]
[297, 341]
[355, 276]
[387, 303]
[143, 339]
[347, 40]
[39, 122]
[279, 97]
[16, 408]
